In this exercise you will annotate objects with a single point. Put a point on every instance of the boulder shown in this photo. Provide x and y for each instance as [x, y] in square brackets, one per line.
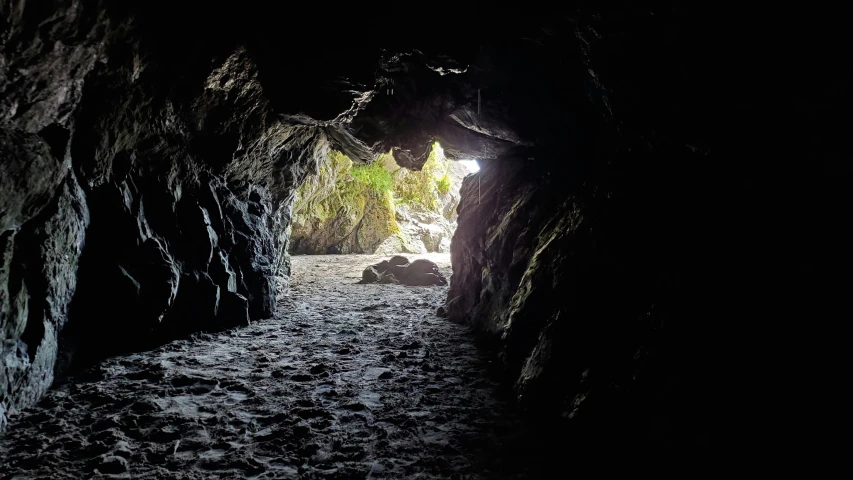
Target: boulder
[369, 275]
[424, 272]
[398, 261]
[398, 269]
[388, 278]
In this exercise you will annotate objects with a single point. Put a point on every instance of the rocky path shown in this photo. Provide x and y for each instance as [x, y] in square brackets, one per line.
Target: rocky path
[351, 382]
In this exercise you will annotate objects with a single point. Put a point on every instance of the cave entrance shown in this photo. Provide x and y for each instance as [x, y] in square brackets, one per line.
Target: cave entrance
[380, 208]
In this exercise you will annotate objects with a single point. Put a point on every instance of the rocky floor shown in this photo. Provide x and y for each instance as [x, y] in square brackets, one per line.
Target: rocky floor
[350, 382]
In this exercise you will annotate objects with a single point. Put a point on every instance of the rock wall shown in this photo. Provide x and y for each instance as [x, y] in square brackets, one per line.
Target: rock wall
[144, 193]
[426, 226]
[640, 285]
[343, 208]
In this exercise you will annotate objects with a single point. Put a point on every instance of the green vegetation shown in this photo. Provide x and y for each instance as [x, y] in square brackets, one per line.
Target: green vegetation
[347, 205]
[374, 176]
[339, 184]
[443, 184]
[352, 208]
[422, 188]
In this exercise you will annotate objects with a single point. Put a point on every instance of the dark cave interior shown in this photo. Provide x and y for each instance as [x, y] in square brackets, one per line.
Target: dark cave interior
[653, 248]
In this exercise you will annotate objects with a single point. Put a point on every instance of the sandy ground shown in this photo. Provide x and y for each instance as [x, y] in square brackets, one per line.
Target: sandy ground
[348, 382]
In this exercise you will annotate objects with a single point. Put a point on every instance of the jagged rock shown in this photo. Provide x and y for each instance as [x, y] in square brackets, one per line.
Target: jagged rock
[29, 177]
[431, 236]
[38, 273]
[233, 311]
[254, 247]
[184, 169]
[450, 200]
[159, 279]
[339, 213]
[423, 231]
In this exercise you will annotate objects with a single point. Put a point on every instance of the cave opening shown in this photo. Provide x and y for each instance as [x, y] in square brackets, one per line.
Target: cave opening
[378, 207]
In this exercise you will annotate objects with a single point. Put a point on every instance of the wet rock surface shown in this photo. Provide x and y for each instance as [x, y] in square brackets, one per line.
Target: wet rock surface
[357, 381]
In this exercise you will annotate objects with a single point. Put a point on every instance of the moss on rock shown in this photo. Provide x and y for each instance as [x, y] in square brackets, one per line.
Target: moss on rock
[344, 208]
[420, 188]
[348, 208]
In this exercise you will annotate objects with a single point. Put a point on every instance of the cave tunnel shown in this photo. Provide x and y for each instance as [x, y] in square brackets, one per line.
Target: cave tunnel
[644, 273]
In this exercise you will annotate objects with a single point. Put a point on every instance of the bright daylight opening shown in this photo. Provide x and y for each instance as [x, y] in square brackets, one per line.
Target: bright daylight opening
[380, 208]
[471, 165]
